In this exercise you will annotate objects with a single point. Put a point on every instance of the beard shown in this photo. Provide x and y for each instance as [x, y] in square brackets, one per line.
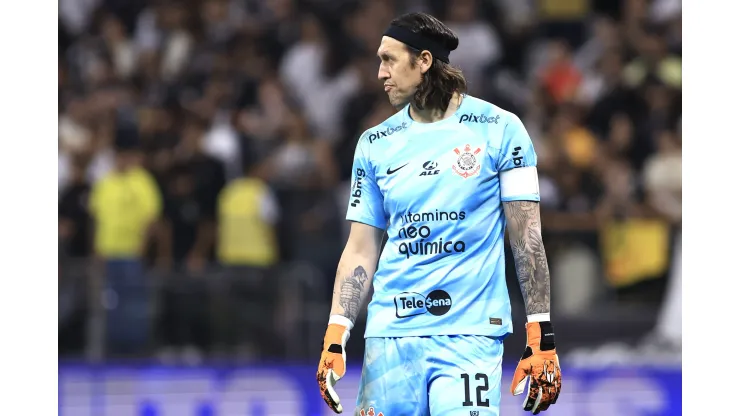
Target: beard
[399, 100]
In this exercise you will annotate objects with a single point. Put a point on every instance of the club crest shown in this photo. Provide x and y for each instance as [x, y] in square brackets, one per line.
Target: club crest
[467, 164]
[370, 412]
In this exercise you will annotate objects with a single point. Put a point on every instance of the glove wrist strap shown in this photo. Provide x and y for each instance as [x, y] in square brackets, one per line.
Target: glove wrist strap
[541, 335]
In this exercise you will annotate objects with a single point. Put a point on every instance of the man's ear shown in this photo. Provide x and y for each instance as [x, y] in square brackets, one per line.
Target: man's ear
[424, 61]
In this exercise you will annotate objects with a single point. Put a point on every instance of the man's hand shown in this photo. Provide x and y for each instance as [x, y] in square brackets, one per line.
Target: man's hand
[539, 364]
[333, 364]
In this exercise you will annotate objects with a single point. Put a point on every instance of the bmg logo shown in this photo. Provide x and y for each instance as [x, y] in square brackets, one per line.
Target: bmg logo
[408, 304]
[357, 187]
[516, 158]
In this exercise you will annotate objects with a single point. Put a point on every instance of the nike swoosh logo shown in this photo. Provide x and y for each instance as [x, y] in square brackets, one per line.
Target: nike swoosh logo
[391, 172]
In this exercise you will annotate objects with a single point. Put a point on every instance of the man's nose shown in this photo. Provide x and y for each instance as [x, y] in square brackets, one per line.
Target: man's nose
[383, 74]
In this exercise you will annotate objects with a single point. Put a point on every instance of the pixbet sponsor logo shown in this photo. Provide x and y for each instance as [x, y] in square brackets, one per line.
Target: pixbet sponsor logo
[389, 131]
[481, 118]
[357, 187]
[408, 304]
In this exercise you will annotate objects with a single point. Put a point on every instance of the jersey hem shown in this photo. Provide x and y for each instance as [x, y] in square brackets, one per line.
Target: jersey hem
[366, 222]
[529, 197]
[407, 334]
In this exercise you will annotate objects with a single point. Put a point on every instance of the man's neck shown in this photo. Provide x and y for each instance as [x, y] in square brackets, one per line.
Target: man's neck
[434, 115]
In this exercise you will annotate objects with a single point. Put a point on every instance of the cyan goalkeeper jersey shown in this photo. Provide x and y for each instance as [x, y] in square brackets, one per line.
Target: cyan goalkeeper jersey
[438, 188]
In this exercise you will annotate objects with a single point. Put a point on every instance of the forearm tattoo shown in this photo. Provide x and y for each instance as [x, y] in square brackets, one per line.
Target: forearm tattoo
[351, 293]
[529, 255]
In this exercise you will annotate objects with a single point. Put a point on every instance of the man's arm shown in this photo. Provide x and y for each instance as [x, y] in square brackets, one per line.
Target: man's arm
[355, 271]
[525, 236]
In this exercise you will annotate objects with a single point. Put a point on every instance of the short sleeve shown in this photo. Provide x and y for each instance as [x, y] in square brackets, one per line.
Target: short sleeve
[517, 164]
[365, 200]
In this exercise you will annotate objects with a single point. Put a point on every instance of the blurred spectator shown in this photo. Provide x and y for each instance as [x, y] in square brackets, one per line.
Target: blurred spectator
[662, 179]
[74, 218]
[605, 38]
[75, 14]
[191, 187]
[579, 146]
[125, 205]
[221, 139]
[262, 120]
[163, 40]
[563, 19]
[316, 70]
[654, 59]
[188, 239]
[248, 252]
[247, 214]
[560, 76]
[281, 20]
[471, 29]
[602, 78]
[635, 244]
[304, 173]
[119, 47]
[301, 161]
[195, 181]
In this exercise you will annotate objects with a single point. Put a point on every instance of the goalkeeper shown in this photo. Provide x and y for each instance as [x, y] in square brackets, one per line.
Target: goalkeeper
[444, 176]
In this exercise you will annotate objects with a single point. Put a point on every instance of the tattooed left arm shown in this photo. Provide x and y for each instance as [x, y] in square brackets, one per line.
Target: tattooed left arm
[355, 271]
[525, 236]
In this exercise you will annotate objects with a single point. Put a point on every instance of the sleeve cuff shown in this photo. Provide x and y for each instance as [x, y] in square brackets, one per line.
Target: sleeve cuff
[538, 317]
[341, 320]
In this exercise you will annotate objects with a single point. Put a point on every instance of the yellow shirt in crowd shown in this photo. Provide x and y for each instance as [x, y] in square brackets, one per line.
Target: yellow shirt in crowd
[124, 205]
[245, 236]
[635, 250]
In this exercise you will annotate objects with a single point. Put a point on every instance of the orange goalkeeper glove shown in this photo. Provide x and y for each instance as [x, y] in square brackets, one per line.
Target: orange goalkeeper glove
[333, 362]
[539, 364]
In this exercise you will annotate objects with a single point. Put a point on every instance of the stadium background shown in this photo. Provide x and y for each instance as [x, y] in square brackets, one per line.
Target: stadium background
[205, 287]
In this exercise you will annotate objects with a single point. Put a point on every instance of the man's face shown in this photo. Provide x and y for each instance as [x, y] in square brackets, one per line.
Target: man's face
[400, 78]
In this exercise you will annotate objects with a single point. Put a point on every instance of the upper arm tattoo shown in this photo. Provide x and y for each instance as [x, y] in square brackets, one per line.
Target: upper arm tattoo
[525, 235]
[351, 293]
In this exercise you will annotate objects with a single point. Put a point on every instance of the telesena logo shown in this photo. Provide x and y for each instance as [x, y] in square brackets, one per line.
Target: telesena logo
[357, 187]
[408, 304]
[482, 118]
[386, 133]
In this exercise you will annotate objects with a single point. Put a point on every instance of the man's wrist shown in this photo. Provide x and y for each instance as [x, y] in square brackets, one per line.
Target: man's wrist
[541, 335]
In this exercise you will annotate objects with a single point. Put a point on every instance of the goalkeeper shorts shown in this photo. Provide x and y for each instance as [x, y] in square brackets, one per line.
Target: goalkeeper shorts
[431, 376]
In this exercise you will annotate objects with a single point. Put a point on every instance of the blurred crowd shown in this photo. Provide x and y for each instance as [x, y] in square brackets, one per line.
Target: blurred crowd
[209, 143]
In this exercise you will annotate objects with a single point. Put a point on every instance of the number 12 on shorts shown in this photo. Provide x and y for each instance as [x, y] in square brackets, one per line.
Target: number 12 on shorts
[481, 382]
